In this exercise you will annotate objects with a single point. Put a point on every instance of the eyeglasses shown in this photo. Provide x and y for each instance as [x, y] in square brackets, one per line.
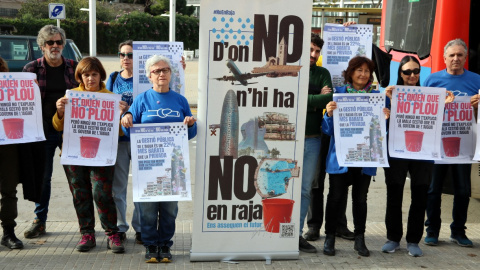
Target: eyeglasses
[159, 71]
[409, 72]
[51, 42]
[128, 55]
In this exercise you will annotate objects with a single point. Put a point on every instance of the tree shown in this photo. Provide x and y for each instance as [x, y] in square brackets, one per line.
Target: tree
[38, 9]
[163, 6]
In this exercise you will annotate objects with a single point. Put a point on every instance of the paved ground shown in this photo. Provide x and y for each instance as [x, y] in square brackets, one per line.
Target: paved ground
[56, 250]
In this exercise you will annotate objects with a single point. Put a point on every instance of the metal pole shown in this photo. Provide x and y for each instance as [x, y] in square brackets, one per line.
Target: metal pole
[172, 21]
[322, 23]
[92, 21]
[58, 23]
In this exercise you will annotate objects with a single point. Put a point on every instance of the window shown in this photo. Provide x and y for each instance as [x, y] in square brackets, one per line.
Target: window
[409, 26]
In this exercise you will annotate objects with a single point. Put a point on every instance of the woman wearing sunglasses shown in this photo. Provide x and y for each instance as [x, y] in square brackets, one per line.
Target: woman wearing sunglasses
[395, 176]
[121, 82]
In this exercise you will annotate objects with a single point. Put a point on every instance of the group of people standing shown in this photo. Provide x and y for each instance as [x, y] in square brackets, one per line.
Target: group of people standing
[104, 186]
[426, 178]
[154, 222]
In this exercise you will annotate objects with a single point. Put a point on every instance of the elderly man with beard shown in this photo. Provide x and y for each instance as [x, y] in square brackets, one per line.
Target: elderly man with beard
[319, 94]
[55, 74]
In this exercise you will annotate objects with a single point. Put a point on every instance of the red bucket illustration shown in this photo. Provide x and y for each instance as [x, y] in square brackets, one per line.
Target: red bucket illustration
[451, 146]
[89, 146]
[413, 140]
[276, 211]
[13, 128]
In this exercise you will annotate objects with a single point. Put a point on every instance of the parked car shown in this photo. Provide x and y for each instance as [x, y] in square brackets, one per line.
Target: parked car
[19, 50]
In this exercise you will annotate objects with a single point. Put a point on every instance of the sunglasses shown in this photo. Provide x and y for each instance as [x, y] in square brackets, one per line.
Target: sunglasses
[409, 72]
[51, 42]
[127, 55]
[159, 71]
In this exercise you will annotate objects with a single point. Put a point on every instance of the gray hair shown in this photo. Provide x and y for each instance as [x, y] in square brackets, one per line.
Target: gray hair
[454, 42]
[47, 32]
[155, 59]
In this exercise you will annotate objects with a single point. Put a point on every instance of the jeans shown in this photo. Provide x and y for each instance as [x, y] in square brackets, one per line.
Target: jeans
[8, 185]
[461, 197]
[395, 176]
[54, 140]
[89, 184]
[310, 158]
[158, 222]
[119, 188]
[338, 186]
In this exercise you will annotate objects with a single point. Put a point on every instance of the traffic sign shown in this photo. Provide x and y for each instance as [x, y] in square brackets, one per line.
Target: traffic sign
[56, 11]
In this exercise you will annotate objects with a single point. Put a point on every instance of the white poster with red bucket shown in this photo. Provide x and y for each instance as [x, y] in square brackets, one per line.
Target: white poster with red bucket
[160, 162]
[20, 109]
[91, 129]
[360, 130]
[416, 118]
[459, 132]
[253, 82]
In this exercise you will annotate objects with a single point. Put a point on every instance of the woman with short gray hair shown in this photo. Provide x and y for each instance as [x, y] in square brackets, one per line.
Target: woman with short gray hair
[159, 105]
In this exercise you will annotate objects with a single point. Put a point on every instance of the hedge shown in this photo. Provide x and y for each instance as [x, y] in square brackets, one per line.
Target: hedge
[135, 25]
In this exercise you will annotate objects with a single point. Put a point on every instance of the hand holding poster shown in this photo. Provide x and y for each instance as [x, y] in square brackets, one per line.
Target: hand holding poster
[20, 109]
[458, 132]
[160, 162]
[360, 130]
[342, 44]
[142, 50]
[416, 114]
[91, 128]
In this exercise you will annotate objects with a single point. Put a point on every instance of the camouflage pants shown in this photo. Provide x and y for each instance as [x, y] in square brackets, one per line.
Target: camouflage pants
[89, 184]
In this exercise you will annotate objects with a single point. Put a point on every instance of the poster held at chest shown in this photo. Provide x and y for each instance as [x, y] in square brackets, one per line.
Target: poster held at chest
[160, 162]
[416, 118]
[459, 132]
[142, 50]
[91, 129]
[20, 109]
[342, 44]
[360, 130]
[253, 86]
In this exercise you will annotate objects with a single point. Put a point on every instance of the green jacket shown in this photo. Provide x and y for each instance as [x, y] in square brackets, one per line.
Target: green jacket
[319, 77]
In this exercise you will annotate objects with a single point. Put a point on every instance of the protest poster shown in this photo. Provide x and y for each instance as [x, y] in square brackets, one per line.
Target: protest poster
[416, 118]
[20, 109]
[253, 82]
[160, 162]
[360, 130]
[459, 131]
[91, 129]
[342, 44]
[142, 50]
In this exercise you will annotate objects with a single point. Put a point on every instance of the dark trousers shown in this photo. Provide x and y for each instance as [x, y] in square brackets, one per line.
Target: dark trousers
[8, 185]
[89, 184]
[54, 140]
[461, 197]
[315, 211]
[395, 176]
[339, 184]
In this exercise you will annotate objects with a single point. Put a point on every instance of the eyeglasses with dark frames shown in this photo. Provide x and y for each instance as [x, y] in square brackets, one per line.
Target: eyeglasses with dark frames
[409, 72]
[51, 42]
[159, 71]
[127, 55]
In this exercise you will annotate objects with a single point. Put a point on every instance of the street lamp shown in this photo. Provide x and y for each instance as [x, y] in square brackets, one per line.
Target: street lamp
[92, 25]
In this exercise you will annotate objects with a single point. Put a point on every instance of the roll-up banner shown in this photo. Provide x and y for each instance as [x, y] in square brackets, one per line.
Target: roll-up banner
[253, 87]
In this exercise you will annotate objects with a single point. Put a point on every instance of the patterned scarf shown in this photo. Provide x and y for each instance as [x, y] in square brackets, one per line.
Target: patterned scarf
[367, 89]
